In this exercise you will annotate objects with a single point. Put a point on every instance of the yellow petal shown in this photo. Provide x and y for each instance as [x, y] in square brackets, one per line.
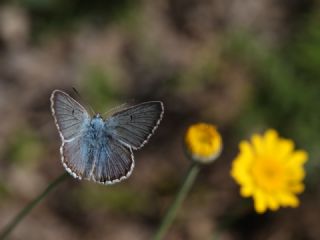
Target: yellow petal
[245, 149]
[259, 202]
[270, 139]
[257, 144]
[285, 147]
[246, 191]
[273, 203]
[297, 188]
[288, 199]
[298, 157]
[296, 174]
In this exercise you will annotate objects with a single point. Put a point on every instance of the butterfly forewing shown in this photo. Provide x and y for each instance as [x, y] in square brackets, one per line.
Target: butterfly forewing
[134, 126]
[69, 115]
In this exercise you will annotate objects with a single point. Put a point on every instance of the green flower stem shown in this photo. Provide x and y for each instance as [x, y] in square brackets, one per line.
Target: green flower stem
[182, 193]
[24, 212]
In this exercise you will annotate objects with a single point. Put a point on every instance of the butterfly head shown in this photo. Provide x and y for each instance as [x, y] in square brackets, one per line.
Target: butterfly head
[97, 116]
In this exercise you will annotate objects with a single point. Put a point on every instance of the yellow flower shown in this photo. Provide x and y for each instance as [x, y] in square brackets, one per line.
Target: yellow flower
[203, 142]
[270, 170]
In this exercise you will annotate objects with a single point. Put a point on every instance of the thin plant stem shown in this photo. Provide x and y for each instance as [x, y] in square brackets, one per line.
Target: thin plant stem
[24, 212]
[182, 193]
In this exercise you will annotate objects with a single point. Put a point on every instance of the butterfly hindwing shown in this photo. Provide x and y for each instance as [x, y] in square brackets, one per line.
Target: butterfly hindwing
[74, 158]
[106, 162]
[135, 125]
[113, 162]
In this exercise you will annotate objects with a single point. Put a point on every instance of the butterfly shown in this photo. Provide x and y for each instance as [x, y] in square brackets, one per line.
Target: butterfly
[98, 149]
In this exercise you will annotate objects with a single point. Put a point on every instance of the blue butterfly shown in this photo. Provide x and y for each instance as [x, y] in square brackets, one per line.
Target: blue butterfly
[100, 149]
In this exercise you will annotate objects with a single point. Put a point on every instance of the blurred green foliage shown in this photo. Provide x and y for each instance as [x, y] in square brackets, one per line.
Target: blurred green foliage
[4, 192]
[25, 147]
[202, 73]
[60, 15]
[101, 89]
[304, 52]
[118, 198]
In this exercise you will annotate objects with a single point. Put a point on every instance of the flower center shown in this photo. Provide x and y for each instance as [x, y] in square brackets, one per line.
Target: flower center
[205, 138]
[269, 174]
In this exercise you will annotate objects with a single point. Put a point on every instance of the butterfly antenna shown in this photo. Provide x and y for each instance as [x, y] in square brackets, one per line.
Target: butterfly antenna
[116, 109]
[83, 100]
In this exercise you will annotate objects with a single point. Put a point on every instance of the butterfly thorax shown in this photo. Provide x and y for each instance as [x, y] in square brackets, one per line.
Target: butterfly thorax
[95, 129]
[95, 133]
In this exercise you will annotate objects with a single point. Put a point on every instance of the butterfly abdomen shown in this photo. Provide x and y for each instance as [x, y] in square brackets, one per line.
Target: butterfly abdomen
[95, 137]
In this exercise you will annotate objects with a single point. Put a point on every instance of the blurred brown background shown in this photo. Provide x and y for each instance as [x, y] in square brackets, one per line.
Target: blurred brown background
[242, 65]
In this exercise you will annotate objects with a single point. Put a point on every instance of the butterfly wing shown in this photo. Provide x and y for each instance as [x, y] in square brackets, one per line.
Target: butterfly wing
[70, 118]
[107, 161]
[74, 158]
[68, 114]
[113, 162]
[135, 125]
